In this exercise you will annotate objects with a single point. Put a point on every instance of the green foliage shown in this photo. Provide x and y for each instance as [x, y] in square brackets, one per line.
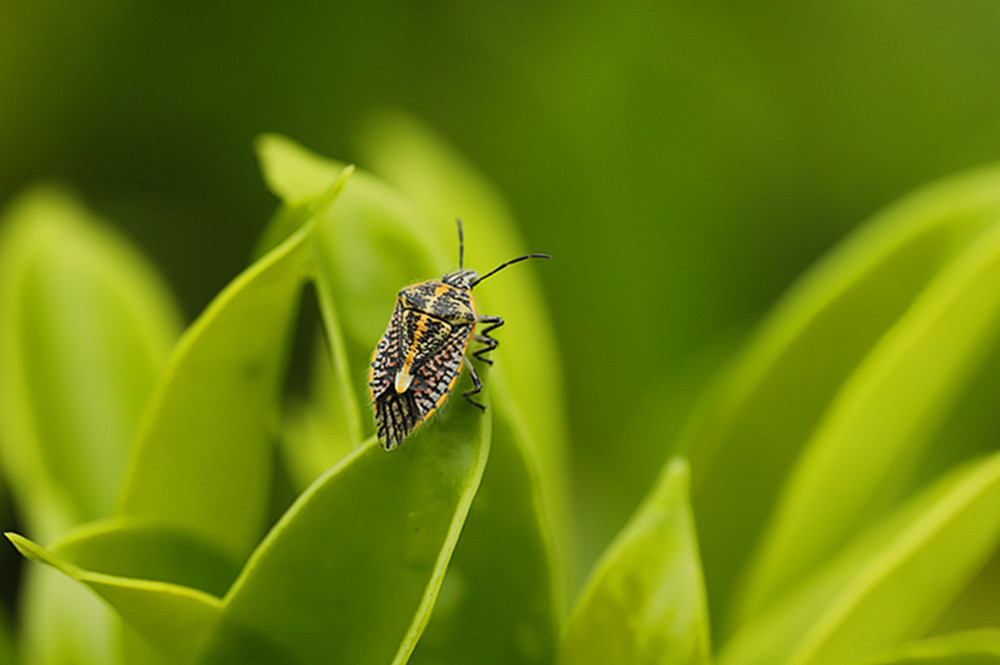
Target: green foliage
[203, 456]
[645, 602]
[845, 497]
[971, 648]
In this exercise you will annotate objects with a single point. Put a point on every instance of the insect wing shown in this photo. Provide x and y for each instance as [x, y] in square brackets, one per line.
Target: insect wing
[434, 380]
[398, 414]
[422, 336]
[386, 360]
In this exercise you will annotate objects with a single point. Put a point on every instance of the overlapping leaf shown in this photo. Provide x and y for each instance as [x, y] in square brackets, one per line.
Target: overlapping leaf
[645, 601]
[203, 461]
[499, 599]
[372, 243]
[766, 409]
[445, 186]
[356, 282]
[389, 523]
[882, 417]
[888, 587]
[174, 617]
[971, 648]
[85, 326]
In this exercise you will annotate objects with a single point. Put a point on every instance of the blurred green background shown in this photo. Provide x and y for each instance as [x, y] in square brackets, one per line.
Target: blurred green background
[683, 161]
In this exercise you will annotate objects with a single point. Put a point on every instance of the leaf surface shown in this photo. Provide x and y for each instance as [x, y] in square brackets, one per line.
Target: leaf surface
[445, 186]
[203, 460]
[884, 415]
[865, 600]
[388, 523]
[173, 616]
[499, 601]
[645, 600]
[970, 648]
[85, 327]
[764, 410]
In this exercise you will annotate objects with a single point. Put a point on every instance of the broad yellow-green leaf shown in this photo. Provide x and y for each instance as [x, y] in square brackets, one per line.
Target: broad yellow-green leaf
[318, 431]
[499, 602]
[126, 547]
[286, 220]
[204, 454]
[884, 414]
[321, 428]
[295, 175]
[645, 600]
[764, 410]
[888, 587]
[369, 244]
[85, 326]
[63, 623]
[445, 186]
[333, 407]
[979, 605]
[175, 617]
[351, 572]
[971, 648]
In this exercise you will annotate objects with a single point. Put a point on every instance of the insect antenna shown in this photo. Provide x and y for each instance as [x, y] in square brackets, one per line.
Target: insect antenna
[507, 263]
[461, 243]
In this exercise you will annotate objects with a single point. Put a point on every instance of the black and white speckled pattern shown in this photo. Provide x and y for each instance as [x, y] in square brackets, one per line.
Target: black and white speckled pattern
[420, 355]
[427, 336]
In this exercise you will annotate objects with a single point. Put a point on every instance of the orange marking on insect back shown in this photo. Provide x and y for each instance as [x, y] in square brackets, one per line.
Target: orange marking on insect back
[403, 377]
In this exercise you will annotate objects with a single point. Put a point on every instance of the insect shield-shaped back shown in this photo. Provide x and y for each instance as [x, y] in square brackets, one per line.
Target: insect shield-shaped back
[418, 360]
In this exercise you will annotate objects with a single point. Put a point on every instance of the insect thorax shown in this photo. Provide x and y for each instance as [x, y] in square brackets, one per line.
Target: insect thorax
[441, 299]
[462, 279]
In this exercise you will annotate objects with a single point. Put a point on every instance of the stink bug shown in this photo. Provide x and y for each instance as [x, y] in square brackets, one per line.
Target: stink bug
[418, 359]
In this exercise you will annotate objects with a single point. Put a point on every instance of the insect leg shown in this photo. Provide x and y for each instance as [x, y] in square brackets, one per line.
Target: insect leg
[484, 337]
[477, 384]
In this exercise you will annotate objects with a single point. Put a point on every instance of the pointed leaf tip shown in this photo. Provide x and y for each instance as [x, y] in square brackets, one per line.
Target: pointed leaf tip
[334, 190]
[645, 601]
[22, 544]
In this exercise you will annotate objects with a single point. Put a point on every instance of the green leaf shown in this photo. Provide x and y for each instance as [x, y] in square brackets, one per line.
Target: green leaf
[882, 417]
[782, 386]
[126, 547]
[430, 173]
[319, 430]
[355, 282]
[970, 648]
[294, 174]
[172, 616]
[85, 327]
[387, 523]
[499, 601]
[645, 600]
[372, 242]
[979, 605]
[866, 600]
[204, 454]
[63, 623]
